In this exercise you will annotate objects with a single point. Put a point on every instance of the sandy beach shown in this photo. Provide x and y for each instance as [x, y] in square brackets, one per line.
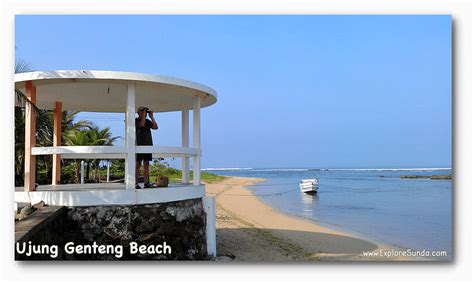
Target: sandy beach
[249, 230]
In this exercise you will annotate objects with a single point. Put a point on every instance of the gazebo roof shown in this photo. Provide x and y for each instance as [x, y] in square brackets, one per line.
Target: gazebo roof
[106, 91]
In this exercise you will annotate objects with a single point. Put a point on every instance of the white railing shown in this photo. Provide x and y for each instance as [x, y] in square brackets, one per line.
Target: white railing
[114, 152]
[120, 152]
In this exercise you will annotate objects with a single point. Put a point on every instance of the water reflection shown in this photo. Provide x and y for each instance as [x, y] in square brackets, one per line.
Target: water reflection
[308, 203]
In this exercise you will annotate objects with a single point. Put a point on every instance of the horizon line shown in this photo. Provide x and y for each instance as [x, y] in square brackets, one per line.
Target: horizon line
[321, 168]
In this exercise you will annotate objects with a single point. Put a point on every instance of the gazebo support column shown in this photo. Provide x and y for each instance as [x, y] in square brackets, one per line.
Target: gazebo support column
[197, 140]
[130, 137]
[185, 143]
[30, 138]
[56, 179]
[108, 171]
[82, 171]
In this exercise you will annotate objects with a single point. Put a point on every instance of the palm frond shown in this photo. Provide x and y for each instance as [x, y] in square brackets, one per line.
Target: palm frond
[22, 66]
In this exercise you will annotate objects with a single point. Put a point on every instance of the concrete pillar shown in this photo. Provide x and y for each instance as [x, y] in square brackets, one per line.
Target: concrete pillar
[130, 138]
[197, 139]
[56, 178]
[185, 143]
[209, 204]
[108, 171]
[82, 171]
[30, 138]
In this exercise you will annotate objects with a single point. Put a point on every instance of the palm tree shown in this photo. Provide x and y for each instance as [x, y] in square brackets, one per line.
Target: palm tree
[19, 146]
[45, 131]
[22, 66]
[77, 138]
[88, 137]
[42, 120]
[81, 132]
[101, 137]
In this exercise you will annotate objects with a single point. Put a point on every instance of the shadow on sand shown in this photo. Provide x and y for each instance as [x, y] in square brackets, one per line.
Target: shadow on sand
[254, 244]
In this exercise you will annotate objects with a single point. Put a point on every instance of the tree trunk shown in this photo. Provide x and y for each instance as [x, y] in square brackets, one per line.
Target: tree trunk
[77, 171]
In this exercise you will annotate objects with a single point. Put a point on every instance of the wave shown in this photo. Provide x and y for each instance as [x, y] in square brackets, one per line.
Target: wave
[391, 169]
[226, 169]
[278, 170]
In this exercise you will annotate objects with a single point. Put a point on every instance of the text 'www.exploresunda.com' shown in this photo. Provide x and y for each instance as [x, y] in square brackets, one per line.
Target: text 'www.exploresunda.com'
[404, 253]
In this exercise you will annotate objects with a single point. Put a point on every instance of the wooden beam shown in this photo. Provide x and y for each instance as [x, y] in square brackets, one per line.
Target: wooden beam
[30, 138]
[56, 179]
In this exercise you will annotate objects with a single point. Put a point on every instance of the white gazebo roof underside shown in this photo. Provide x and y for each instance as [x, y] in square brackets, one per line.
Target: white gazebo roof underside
[106, 91]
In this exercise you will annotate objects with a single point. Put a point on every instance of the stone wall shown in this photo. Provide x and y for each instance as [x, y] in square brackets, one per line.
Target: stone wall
[181, 225]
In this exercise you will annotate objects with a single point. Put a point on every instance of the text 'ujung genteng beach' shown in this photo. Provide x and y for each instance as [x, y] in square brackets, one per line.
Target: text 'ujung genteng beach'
[29, 249]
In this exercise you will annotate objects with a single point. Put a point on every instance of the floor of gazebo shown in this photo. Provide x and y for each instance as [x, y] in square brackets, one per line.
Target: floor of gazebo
[93, 186]
[106, 194]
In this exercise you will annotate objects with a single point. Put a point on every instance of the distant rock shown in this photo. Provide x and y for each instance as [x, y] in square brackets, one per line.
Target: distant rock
[414, 177]
[432, 177]
[441, 177]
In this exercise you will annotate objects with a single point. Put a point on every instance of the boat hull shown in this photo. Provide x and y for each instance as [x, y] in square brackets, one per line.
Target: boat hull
[309, 186]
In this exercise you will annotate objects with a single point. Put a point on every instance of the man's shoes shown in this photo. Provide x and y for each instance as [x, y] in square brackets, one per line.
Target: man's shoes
[137, 186]
[150, 185]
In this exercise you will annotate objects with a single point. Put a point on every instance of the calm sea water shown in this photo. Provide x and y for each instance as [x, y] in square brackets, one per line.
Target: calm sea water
[376, 204]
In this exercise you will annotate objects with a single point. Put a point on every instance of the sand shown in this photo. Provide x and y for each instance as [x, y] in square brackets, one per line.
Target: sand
[249, 230]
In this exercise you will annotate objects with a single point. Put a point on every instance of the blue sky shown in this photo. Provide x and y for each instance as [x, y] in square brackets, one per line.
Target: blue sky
[294, 91]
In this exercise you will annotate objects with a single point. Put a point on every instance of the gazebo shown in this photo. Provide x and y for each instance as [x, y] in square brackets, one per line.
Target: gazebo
[119, 92]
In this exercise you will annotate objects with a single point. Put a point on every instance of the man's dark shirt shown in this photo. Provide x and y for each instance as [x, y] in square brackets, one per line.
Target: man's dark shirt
[143, 134]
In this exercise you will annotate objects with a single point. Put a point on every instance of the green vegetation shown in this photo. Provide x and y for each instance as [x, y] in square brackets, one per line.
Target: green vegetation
[74, 132]
[117, 171]
[90, 136]
[174, 175]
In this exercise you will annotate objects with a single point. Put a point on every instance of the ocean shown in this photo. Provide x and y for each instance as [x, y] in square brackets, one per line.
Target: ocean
[373, 203]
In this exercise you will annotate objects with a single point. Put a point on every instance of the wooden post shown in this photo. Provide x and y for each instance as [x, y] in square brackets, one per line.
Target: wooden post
[197, 140]
[30, 138]
[57, 142]
[185, 143]
[130, 138]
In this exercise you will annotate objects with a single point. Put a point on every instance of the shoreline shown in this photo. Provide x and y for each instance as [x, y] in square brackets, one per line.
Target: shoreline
[250, 230]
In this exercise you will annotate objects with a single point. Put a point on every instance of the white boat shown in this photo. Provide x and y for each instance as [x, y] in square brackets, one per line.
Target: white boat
[309, 186]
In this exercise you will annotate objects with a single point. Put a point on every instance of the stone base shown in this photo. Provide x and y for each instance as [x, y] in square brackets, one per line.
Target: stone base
[181, 225]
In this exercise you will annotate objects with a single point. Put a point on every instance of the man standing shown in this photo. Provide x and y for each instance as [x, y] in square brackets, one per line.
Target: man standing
[143, 128]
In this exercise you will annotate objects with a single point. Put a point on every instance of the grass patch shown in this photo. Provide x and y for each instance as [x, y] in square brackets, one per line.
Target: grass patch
[174, 175]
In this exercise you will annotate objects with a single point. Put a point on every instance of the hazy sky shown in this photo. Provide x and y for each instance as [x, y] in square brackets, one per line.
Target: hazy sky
[293, 91]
